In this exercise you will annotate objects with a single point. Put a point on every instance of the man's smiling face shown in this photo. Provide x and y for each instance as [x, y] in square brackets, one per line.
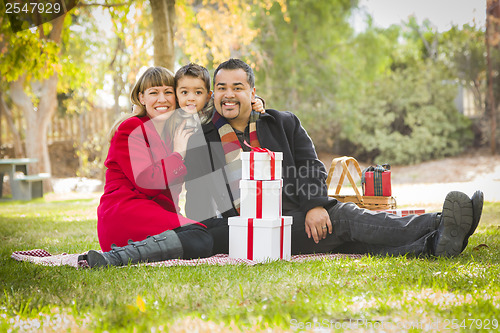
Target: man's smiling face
[233, 96]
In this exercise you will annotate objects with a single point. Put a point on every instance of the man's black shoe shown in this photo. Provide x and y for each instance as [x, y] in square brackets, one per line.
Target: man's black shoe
[477, 209]
[456, 222]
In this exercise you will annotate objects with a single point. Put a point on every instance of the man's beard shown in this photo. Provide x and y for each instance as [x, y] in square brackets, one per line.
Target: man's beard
[223, 113]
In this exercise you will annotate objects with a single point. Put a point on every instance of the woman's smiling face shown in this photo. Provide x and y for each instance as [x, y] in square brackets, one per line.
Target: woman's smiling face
[159, 101]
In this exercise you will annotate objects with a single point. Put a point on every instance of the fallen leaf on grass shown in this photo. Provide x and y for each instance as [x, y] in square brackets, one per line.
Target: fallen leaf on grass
[477, 248]
[141, 304]
[244, 303]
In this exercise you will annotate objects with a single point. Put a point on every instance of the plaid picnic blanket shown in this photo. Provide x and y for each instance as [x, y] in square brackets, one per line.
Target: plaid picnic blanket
[43, 257]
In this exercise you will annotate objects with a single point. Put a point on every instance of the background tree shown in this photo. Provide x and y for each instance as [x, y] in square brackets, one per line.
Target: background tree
[344, 85]
[209, 32]
[300, 60]
[163, 12]
[7, 112]
[462, 52]
[409, 116]
[492, 50]
[30, 65]
[130, 47]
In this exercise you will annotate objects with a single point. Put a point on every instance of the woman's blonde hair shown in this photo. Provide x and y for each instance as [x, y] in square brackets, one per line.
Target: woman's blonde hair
[152, 77]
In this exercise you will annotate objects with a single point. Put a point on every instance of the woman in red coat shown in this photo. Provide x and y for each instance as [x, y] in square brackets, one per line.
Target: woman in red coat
[145, 173]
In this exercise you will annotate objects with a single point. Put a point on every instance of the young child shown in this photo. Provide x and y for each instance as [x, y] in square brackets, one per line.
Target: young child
[192, 88]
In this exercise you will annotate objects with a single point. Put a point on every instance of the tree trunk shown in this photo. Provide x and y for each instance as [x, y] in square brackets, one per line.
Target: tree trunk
[46, 109]
[293, 74]
[118, 82]
[38, 119]
[163, 30]
[1, 112]
[18, 144]
[116, 94]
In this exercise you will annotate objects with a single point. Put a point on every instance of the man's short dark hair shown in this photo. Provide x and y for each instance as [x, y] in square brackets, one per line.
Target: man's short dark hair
[233, 64]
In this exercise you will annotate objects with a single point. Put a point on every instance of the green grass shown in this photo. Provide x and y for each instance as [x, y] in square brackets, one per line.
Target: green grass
[369, 292]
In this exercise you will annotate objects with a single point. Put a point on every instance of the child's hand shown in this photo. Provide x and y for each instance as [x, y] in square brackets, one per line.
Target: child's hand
[181, 137]
[258, 106]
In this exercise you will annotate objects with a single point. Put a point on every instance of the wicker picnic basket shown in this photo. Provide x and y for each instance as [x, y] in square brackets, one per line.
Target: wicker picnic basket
[363, 201]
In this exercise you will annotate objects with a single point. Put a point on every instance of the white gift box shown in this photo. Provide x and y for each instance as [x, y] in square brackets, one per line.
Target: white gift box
[260, 166]
[260, 199]
[260, 239]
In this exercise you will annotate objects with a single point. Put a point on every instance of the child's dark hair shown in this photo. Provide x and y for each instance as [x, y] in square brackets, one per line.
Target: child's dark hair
[193, 70]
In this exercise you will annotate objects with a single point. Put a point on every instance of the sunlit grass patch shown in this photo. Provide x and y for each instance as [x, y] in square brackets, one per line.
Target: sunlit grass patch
[49, 319]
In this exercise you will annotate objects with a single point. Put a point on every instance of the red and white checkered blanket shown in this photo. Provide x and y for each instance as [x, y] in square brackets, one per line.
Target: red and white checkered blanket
[42, 257]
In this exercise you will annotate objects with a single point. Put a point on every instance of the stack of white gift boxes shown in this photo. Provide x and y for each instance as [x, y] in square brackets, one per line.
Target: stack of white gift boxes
[260, 233]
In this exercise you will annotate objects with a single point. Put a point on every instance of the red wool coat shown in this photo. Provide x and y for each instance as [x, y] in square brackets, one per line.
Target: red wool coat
[143, 182]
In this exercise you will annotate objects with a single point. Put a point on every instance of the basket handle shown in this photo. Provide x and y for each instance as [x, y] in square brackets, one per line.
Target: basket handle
[344, 161]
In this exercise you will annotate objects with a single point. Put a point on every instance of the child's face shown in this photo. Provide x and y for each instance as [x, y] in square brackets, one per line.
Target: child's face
[192, 95]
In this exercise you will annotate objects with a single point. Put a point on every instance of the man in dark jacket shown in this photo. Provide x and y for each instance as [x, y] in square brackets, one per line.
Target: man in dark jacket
[320, 223]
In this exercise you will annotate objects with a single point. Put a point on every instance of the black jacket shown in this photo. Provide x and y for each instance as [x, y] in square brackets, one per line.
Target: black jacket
[304, 176]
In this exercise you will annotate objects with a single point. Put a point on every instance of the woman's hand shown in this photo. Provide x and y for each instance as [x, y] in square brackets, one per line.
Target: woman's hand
[181, 138]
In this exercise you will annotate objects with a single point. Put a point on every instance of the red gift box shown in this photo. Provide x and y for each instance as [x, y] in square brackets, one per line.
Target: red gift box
[369, 184]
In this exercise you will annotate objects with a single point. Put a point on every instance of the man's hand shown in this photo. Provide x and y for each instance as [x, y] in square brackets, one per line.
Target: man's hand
[318, 223]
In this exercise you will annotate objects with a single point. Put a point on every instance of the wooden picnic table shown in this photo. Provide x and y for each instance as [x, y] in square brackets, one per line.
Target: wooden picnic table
[25, 186]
